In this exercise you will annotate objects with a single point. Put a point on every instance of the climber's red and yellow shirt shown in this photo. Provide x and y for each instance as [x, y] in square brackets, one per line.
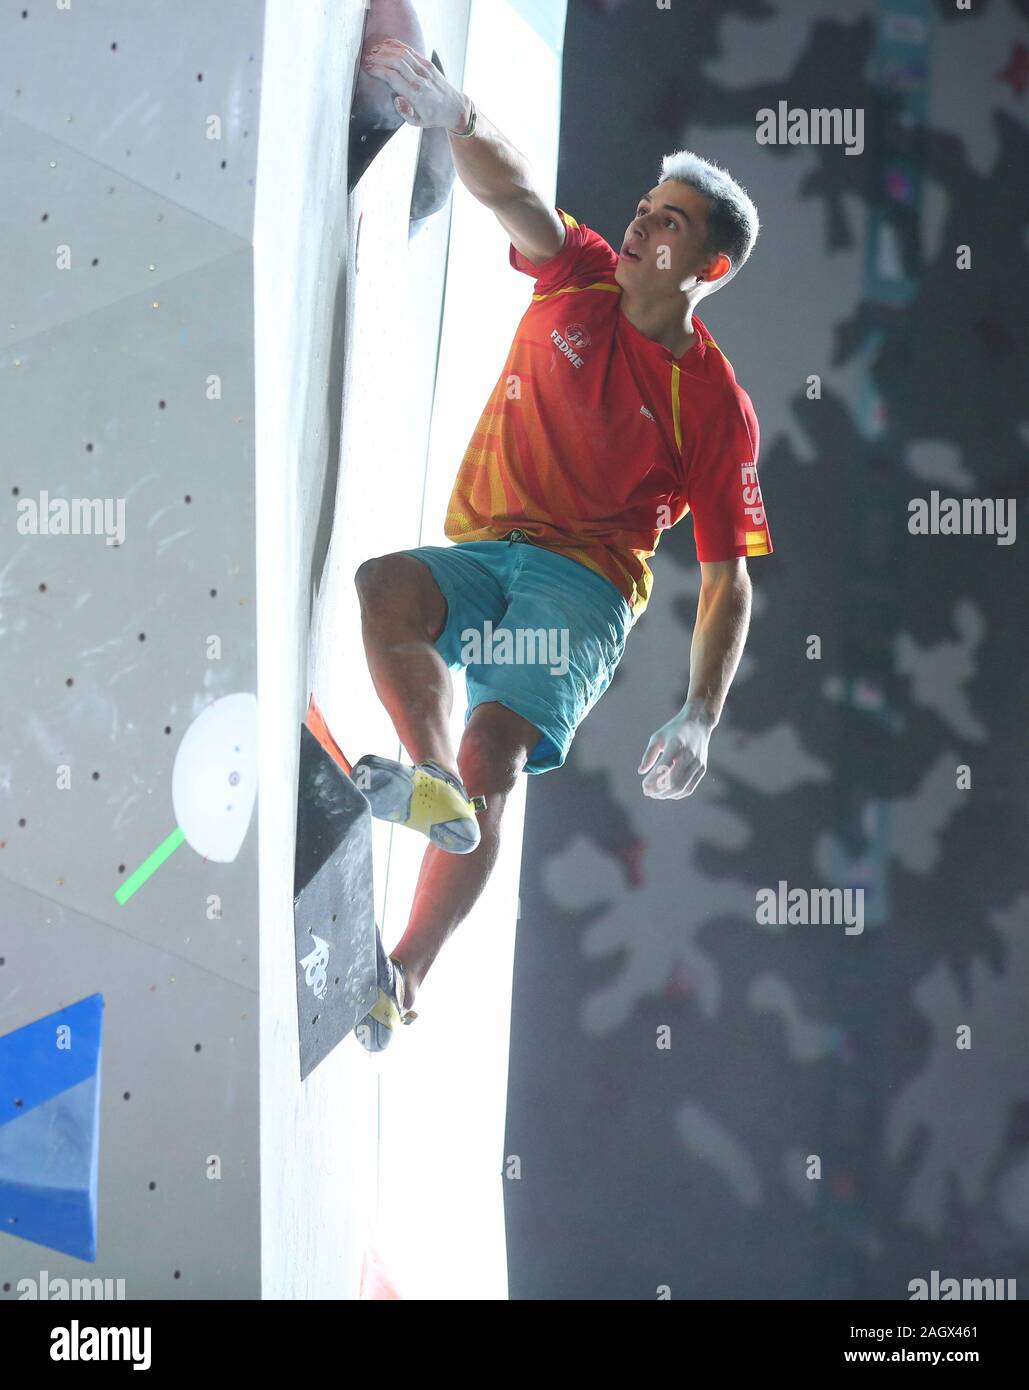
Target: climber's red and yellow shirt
[596, 439]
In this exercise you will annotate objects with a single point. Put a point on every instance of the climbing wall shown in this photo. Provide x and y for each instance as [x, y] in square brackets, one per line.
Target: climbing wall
[220, 382]
[128, 866]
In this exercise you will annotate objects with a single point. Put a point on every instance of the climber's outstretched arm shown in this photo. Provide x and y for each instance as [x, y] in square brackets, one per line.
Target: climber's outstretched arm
[488, 165]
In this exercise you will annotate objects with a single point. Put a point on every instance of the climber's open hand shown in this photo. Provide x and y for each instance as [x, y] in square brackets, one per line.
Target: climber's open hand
[676, 757]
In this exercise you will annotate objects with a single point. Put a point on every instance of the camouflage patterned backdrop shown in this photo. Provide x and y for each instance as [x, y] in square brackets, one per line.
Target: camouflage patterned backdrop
[702, 1101]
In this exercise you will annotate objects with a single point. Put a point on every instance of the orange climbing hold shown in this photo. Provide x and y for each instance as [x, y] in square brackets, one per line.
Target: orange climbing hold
[316, 723]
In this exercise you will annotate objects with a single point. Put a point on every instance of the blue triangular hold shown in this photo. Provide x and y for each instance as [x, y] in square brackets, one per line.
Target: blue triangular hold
[50, 1129]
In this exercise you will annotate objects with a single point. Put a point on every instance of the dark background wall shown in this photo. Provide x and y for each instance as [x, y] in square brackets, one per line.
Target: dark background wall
[687, 1166]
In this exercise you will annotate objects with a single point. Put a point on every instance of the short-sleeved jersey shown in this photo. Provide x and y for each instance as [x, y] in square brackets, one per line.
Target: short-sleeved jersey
[596, 439]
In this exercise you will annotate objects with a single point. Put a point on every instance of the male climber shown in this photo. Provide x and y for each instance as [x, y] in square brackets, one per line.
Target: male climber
[615, 414]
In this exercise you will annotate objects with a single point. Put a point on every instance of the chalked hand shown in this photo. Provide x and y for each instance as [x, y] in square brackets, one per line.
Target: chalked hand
[676, 756]
[421, 94]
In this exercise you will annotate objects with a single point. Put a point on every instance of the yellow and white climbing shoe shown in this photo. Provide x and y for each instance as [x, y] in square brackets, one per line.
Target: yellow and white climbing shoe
[424, 797]
[376, 1029]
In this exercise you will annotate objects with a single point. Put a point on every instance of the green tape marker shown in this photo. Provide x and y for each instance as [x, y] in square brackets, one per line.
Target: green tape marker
[148, 866]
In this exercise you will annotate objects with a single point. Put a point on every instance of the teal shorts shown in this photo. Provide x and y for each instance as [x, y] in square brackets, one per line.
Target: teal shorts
[534, 630]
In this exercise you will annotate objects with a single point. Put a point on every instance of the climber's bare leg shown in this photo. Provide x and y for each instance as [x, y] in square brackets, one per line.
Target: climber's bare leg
[402, 613]
[494, 750]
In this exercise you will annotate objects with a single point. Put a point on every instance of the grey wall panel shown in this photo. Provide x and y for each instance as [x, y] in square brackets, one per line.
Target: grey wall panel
[189, 1112]
[78, 237]
[143, 108]
[110, 371]
[105, 390]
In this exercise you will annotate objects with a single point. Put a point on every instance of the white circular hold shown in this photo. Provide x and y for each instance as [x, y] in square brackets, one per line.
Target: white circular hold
[214, 780]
